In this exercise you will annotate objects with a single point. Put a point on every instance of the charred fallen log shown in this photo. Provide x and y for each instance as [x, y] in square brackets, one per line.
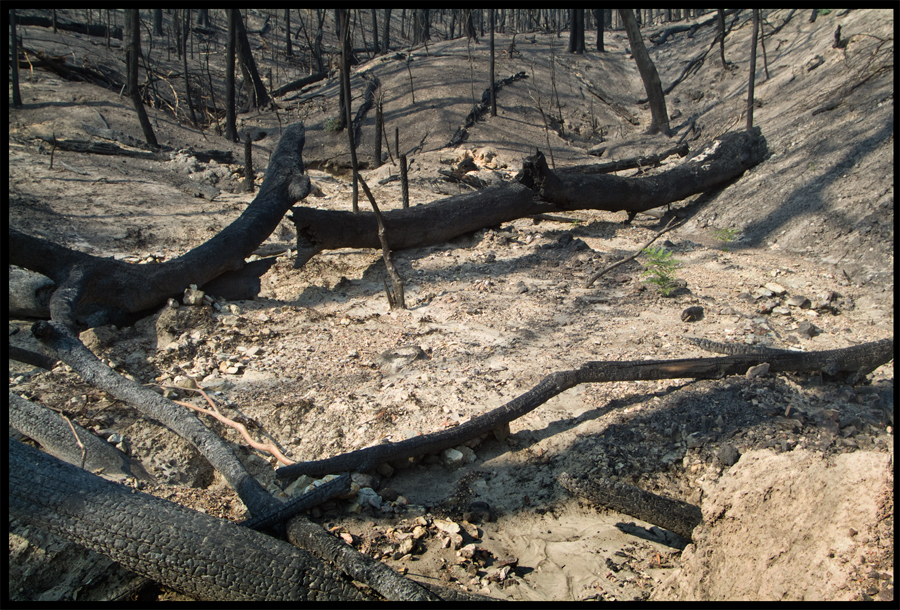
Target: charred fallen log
[674, 515]
[299, 83]
[852, 361]
[540, 190]
[720, 161]
[114, 288]
[97, 29]
[481, 109]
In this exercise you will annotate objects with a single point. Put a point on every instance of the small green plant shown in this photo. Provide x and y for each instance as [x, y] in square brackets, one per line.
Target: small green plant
[824, 11]
[333, 125]
[661, 269]
[726, 236]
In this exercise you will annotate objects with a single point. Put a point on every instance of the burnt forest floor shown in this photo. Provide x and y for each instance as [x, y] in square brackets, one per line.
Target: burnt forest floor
[491, 313]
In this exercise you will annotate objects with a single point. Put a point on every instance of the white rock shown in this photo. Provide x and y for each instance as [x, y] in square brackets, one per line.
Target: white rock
[453, 458]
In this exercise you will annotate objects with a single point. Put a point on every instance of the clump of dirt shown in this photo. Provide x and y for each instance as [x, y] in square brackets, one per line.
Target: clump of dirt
[797, 253]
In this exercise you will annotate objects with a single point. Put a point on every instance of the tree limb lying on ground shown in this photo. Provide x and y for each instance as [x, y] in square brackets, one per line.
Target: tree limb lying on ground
[851, 360]
[439, 221]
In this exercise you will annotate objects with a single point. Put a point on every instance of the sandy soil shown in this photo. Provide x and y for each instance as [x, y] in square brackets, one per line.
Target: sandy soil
[495, 311]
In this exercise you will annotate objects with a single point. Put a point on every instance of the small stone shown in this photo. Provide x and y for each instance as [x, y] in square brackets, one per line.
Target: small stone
[384, 469]
[807, 329]
[457, 541]
[728, 455]
[184, 382]
[776, 288]
[766, 307]
[467, 452]
[213, 383]
[406, 547]
[758, 370]
[782, 310]
[470, 530]
[445, 525]
[692, 314]
[468, 551]
[389, 494]
[453, 458]
[798, 301]
[192, 296]
[364, 480]
[419, 532]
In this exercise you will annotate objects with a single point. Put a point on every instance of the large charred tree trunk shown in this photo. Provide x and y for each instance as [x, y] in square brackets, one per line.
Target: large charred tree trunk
[659, 116]
[386, 34]
[375, 31]
[132, 26]
[576, 31]
[440, 221]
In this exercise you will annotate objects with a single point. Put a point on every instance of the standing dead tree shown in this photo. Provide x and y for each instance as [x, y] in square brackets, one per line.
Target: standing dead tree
[752, 81]
[660, 117]
[133, 50]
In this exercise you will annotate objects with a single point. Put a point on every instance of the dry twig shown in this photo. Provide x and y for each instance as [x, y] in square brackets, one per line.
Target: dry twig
[594, 277]
[268, 447]
[77, 440]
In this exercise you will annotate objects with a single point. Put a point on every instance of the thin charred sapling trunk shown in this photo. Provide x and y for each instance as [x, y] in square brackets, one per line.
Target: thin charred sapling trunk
[230, 125]
[752, 81]
[287, 32]
[345, 78]
[659, 116]
[493, 93]
[248, 164]
[598, 17]
[395, 291]
[720, 24]
[404, 181]
[379, 127]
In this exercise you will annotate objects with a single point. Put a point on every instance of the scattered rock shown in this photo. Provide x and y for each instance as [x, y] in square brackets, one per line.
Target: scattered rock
[692, 314]
[798, 301]
[728, 455]
[392, 361]
[807, 329]
[453, 458]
